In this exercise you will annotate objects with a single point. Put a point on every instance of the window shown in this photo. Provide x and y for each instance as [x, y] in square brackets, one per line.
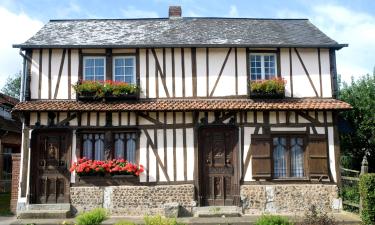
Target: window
[288, 157]
[125, 146]
[262, 66]
[94, 68]
[124, 69]
[93, 146]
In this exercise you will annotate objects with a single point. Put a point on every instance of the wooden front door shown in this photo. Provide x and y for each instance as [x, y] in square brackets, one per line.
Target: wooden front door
[50, 160]
[219, 180]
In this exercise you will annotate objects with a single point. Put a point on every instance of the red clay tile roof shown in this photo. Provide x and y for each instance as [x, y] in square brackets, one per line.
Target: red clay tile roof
[5, 99]
[184, 105]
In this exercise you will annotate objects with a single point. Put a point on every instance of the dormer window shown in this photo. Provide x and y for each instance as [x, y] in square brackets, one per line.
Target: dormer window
[124, 69]
[262, 66]
[94, 68]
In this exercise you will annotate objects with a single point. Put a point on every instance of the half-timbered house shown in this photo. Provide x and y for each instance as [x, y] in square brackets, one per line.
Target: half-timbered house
[202, 137]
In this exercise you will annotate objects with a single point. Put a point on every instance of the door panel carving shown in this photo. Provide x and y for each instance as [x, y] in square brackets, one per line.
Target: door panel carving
[50, 167]
[218, 166]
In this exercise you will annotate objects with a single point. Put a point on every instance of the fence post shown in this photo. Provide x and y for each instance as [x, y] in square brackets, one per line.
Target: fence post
[364, 170]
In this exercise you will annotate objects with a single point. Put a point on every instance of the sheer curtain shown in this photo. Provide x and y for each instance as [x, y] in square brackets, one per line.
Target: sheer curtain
[119, 146]
[296, 157]
[279, 159]
[87, 146]
[130, 147]
[99, 146]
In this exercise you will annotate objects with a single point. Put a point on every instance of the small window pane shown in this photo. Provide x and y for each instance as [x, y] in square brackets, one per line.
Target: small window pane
[99, 146]
[89, 62]
[119, 147]
[129, 62]
[119, 62]
[129, 79]
[99, 62]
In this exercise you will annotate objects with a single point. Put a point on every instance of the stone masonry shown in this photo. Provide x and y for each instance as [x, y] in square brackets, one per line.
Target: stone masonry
[134, 200]
[287, 198]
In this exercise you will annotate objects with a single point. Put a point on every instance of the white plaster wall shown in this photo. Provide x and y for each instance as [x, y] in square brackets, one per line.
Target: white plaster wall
[34, 83]
[331, 151]
[242, 71]
[190, 159]
[201, 72]
[247, 141]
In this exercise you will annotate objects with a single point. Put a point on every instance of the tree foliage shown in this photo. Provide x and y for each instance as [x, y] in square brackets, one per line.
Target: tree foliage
[12, 86]
[361, 139]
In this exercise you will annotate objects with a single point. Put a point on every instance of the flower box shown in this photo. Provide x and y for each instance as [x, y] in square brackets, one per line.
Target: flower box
[106, 173]
[108, 180]
[267, 89]
[267, 95]
[105, 90]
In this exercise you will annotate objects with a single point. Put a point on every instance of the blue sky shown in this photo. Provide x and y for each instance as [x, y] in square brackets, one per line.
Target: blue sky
[346, 21]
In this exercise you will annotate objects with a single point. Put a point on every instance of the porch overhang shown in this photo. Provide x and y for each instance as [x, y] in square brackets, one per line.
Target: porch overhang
[183, 105]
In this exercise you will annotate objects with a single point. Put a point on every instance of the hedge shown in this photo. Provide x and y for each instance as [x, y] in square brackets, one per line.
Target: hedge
[367, 192]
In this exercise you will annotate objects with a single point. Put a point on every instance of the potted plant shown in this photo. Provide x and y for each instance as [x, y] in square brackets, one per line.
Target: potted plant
[121, 90]
[273, 88]
[108, 172]
[88, 90]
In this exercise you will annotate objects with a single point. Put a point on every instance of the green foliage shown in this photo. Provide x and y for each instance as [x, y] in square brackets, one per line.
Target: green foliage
[367, 191]
[361, 95]
[315, 217]
[12, 86]
[123, 222]
[273, 86]
[93, 217]
[158, 220]
[272, 220]
[4, 204]
[102, 88]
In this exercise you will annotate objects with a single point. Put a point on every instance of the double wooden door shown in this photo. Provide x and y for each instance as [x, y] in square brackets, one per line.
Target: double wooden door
[218, 161]
[50, 160]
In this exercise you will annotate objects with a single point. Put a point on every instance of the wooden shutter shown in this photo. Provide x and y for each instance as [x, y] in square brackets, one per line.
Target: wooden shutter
[318, 157]
[261, 156]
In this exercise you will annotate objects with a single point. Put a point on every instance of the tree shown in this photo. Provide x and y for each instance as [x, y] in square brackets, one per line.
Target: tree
[12, 86]
[361, 139]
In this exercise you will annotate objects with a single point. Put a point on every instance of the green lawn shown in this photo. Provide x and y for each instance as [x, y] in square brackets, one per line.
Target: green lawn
[4, 204]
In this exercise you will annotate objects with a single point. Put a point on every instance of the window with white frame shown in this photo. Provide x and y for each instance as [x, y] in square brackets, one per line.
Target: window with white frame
[124, 69]
[262, 66]
[94, 68]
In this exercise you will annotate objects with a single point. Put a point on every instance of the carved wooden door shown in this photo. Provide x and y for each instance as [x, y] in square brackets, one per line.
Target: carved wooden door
[219, 181]
[50, 176]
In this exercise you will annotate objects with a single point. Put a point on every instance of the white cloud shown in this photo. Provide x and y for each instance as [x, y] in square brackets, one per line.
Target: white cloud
[132, 12]
[345, 26]
[16, 28]
[72, 8]
[233, 12]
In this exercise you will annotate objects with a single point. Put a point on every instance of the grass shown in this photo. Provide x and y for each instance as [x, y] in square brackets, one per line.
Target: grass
[5, 204]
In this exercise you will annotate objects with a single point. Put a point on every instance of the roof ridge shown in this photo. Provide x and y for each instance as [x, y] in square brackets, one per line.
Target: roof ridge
[166, 18]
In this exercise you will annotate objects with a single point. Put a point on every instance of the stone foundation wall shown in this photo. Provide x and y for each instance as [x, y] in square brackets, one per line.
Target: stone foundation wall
[133, 200]
[288, 198]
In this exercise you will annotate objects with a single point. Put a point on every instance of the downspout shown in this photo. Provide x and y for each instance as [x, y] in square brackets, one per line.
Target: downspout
[23, 77]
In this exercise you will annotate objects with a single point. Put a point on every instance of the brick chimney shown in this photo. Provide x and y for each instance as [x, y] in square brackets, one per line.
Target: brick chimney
[175, 11]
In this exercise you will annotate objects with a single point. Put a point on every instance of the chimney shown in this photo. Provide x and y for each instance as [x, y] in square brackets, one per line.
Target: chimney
[174, 11]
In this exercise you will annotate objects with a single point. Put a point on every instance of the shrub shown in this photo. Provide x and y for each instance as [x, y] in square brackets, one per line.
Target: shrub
[272, 220]
[158, 220]
[123, 222]
[366, 189]
[101, 88]
[93, 217]
[315, 217]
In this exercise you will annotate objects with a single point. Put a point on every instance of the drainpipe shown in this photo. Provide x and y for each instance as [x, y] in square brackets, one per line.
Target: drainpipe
[23, 77]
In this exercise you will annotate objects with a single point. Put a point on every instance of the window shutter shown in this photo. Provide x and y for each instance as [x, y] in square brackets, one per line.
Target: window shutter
[261, 156]
[318, 157]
